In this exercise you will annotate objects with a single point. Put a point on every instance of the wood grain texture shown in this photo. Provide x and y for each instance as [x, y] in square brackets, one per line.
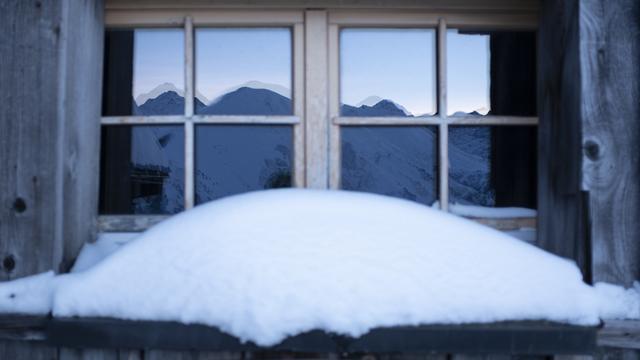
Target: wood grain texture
[317, 86]
[49, 124]
[561, 218]
[610, 54]
[29, 180]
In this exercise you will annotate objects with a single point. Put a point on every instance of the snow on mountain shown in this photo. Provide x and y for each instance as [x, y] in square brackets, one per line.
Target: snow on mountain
[250, 101]
[163, 88]
[278, 89]
[373, 100]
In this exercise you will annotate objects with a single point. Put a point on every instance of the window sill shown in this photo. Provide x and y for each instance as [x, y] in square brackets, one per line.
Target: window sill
[521, 338]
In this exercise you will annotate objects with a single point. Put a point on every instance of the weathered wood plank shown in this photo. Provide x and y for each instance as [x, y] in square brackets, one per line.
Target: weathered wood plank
[620, 334]
[50, 63]
[609, 38]
[30, 233]
[27, 350]
[561, 219]
[79, 115]
[317, 86]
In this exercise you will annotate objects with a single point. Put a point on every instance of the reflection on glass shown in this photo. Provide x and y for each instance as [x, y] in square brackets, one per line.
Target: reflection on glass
[143, 72]
[142, 170]
[491, 73]
[243, 71]
[397, 161]
[493, 166]
[387, 72]
[232, 159]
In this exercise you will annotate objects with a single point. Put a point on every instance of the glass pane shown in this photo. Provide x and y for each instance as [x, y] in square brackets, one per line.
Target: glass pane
[142, 170]
[143, 72]
[397, 161]
[232, 159]
[491, 73]
[243, 71]
[387, 72]
[493, 166]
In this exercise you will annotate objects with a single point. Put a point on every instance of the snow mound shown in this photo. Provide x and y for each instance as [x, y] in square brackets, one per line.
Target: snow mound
[28, 295]
[267, 265]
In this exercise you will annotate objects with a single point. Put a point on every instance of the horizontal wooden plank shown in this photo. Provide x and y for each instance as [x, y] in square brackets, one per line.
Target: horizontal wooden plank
[466, 20]
[435, 120]
[519, 337]
[486, 5]
[22, 327]
[175, 18]
[492, 120]
[128, 223]
[245, 119]
[620, 334]
[508, 223]
[203, 119]
[142, 120]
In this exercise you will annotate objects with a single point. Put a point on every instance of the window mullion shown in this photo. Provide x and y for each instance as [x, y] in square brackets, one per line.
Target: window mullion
[443, 135]
[189, 143]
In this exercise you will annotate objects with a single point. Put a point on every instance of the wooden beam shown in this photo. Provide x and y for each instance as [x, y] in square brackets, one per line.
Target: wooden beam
[610, 109]
[128, 223]
[317, 89]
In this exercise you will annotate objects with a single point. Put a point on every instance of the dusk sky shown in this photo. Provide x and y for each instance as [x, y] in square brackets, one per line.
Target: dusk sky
[395, 64]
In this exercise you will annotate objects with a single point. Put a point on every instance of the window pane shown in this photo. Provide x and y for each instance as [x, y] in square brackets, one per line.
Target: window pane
[243, 71]
[491, 73]
[493, 166]
[387, 72]
[143, 72]
[142, 170]
[232, 159]
[391, 160]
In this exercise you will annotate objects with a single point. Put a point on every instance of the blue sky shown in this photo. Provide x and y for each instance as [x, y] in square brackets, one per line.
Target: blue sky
[396, 64]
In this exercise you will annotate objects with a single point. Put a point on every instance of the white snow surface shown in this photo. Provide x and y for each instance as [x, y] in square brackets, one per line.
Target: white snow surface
[28, 295]
[105, 245]
[266, 265]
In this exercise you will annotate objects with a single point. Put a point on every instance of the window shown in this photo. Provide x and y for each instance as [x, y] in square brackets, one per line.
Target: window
[435, 108]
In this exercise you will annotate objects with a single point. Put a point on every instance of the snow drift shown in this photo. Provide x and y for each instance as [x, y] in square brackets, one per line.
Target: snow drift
[266, 265]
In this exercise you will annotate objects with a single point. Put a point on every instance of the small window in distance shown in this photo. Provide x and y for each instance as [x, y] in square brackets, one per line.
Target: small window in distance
[232, 159]
[143, 72]
[397, 161]
[491, 73]
[142, 169]
[387, 72]
[243, 71]
[493, 166]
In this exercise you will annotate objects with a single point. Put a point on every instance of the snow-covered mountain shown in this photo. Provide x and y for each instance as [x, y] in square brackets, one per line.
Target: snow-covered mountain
[398, 161]
[373, 100]
[163, 88]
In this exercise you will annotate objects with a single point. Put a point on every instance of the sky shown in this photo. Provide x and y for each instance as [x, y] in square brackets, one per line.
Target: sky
[394, 64]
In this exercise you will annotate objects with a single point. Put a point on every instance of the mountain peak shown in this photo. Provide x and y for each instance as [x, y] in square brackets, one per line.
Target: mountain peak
[163, 88]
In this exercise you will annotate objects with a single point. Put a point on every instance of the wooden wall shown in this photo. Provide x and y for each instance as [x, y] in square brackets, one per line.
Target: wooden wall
[51, 55]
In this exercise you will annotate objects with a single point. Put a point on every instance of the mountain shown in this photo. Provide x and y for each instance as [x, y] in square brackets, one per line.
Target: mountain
[278, 89]
[373, 100]
[250, 101]
[381, 108]
[163, 88]
[398, 161]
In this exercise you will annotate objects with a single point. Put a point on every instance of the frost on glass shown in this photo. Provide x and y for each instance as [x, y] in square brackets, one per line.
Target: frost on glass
[143, 72]
[142, 170]
[491, 73]
[232, 159]
[387, 72]
[243, 71]
[493, 166]
[397, 161]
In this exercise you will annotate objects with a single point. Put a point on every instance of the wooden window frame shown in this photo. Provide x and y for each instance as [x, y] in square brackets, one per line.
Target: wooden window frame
[188, 22]
[316, 119]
